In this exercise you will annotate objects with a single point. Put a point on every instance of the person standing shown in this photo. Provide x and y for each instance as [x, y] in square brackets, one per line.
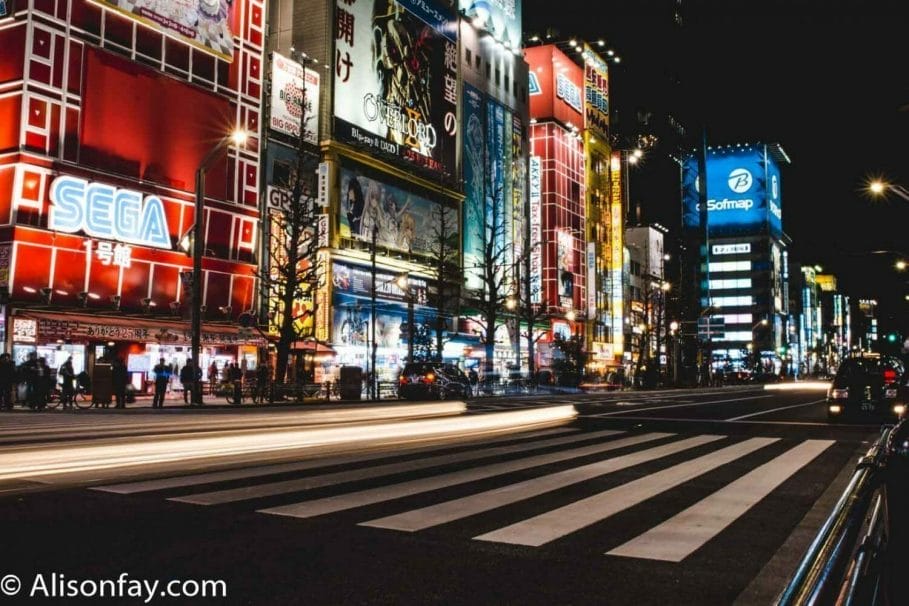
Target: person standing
[67, 376]
[162, 377]
[262, 375]
[187, 378]
[119, 381]
[7, 381]
[42, 383]
[212, 377]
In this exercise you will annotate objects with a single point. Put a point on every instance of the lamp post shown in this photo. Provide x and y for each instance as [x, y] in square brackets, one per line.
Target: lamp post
[238, 137]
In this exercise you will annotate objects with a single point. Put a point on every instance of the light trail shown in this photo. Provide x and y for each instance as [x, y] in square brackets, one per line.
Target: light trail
[801, 386]
[34, 462]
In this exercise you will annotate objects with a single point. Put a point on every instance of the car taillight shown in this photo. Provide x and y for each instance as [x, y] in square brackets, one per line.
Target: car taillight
[429, 378]
[889, 376]
[402, 380]
[839, 394]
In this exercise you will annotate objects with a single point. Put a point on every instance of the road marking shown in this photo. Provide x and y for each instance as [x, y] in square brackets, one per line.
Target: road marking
[265, 470]
[271, 489]
[680, 536]
[621, 412]
[308, 509]
[562, 521]
[764, 412]
[419, 519]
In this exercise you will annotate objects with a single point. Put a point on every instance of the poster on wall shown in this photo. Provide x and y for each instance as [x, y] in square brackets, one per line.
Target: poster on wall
[565, 243]
[291, 83]
[396, 90]
[402, 220]
[204, 24]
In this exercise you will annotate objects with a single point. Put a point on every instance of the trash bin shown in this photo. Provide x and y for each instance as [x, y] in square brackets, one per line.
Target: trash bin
[351, 382]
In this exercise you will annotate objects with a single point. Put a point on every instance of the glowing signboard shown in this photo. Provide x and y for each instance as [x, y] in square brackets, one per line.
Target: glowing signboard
[104, 211]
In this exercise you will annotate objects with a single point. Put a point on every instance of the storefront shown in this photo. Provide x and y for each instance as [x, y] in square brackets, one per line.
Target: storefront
[139, 341]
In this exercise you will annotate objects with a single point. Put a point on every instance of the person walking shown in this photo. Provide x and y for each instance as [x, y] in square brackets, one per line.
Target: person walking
[263, 373]
[42, 383]
[7, 381]
[187, 378]
[235, 376]
[162, 376]
[212, 377]
[119, 381]
[67, 390]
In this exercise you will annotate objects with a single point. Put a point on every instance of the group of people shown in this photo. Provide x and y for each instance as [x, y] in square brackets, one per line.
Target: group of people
[190, 376]
[34, 381]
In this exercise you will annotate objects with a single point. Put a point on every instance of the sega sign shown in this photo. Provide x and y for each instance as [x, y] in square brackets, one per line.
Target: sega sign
[742, 191]
[104, 211]
[567, 91]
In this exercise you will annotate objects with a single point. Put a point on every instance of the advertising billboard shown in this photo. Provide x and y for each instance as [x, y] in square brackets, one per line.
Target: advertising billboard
[489, 150]
[501, 18]
[743, 191]
[557, 86]
[396, 87]
[402, 220]
[290, 84]
[204, 24]
[596, 93]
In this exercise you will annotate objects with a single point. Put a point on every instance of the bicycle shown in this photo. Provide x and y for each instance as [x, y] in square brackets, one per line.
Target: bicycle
[81, 398]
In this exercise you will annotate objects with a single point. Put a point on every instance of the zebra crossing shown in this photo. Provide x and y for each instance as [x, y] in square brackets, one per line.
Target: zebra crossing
[527, 491]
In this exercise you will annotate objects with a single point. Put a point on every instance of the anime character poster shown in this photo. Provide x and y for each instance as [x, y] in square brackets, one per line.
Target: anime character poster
[396, 89]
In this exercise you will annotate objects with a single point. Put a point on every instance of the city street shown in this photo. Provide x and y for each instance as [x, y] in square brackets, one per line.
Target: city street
[664, 497]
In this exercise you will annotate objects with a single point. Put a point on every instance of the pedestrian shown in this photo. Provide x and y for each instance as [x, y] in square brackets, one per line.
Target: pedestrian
[7, 381]
[187, 378]
[28, 374]
[119, 381]
[162, 377]
[474, 380]
[42, 383]
[263, 373]
[67, 376]
[235, 376]
[212, 377]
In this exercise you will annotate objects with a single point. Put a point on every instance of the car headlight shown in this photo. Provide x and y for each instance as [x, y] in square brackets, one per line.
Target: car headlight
[899, 409]
[839, 394]
[835, 409]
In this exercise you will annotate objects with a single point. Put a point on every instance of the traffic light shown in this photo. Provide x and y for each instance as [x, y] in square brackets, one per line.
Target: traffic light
[782, 350]
[892, 337]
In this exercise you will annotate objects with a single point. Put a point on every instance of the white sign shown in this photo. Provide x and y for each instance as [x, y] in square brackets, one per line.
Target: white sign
[323, 184]
[536, 230]
[323, 230]
[591, 279]
[25, 330]
[103, 211]
[568, 91]
[731, 249]
[110, 253]
[291, 83]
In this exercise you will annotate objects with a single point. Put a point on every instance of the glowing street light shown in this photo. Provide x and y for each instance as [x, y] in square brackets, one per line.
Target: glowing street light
[882, 188]
[901, 265]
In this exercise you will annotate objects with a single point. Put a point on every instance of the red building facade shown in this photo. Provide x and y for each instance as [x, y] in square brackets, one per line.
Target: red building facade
[106, 111]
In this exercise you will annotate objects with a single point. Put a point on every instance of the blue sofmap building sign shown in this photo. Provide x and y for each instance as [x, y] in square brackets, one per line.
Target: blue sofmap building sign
[743, 191]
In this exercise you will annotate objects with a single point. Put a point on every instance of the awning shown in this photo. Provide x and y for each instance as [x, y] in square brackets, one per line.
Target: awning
[48, 326]
[312, 346]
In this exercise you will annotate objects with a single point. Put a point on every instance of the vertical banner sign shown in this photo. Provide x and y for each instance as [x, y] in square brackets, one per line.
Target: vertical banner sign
[616, 298]
[536, 229]
[291, 83]
[6, 252]
[396, 84]
[591, 279]
[323, 184]
[474, 183]
[323, 297]
[596, 93]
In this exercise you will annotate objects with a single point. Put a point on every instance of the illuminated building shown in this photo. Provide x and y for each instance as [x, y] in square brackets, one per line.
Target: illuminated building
[578, 212]
[104, 118]
[742, 280]
[647, 292]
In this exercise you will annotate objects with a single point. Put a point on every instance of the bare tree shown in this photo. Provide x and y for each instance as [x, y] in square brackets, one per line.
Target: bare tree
[446, 269]
[291, 277]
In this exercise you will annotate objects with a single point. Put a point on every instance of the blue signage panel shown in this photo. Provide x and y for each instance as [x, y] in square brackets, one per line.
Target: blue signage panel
[743, 191]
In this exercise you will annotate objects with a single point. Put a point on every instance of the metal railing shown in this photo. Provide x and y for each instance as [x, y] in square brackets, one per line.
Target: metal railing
[847, 563]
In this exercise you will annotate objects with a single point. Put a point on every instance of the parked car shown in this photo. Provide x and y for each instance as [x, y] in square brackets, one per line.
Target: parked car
[867, 385]
[432, 380]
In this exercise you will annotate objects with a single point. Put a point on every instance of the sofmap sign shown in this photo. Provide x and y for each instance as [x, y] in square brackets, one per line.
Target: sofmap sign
[396, 85]
[731, 249]
[743, 190]
[103, 211]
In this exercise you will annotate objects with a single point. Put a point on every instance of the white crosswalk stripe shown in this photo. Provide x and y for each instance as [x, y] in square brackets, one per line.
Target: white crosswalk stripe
[562, 521]
[277, 488]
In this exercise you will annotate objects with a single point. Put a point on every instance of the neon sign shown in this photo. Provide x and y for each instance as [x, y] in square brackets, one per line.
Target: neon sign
[103, 211]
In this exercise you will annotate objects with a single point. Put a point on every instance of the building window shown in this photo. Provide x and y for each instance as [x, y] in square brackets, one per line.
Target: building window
[468, 55]
[729, 284]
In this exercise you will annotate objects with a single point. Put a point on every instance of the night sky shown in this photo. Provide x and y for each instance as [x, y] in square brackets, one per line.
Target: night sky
[824, 79]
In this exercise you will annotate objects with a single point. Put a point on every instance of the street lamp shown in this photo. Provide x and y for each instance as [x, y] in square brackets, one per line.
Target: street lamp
[881, 188]
[237, 137]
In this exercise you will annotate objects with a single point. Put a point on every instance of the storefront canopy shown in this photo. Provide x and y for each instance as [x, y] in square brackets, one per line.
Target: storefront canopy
[47, 327]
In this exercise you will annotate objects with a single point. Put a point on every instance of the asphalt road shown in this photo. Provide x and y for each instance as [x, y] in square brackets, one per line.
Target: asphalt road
[674, 497]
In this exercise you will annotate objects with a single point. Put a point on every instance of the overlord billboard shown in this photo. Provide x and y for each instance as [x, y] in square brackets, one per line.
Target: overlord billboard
[743, 191]
[403, 220]
[396, 89]
[204, 24]
[290, 84]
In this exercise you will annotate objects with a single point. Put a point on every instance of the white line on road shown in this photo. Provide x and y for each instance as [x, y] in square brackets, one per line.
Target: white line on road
[562, 521]
[308, 509]
[258, 491]
[680, 536]
[764, 412]
[419, 519]
[622, 412]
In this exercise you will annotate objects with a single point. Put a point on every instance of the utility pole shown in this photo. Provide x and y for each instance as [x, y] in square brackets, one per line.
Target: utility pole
[371, 378]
